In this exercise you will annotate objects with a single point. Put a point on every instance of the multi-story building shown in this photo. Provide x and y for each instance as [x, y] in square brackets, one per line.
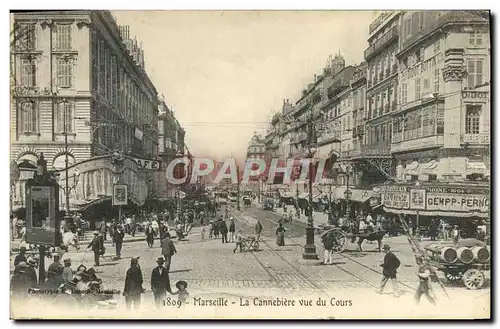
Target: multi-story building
[358, 92]
[442, 125]
[80, 93]
[381, 96]
[256, 150]
[170, 145]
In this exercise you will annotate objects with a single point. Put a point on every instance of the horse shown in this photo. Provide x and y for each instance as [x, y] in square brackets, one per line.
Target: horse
[376, 235]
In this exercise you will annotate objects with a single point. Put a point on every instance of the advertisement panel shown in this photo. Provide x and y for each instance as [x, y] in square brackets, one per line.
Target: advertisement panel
[395, 197]
[457, 202]
[417, 199]
[120, 195]
[41, 215]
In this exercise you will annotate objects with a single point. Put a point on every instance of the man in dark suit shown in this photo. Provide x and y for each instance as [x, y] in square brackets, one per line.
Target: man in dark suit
[160, 283]
[168, 250]
[118, 239]
[96, 245]
[389, 270]
[133, 284]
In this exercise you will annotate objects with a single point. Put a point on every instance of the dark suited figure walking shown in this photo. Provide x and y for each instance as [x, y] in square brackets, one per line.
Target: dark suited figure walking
[118, 238]
[424, 288]
[96, 245]
[223, 231]
[168, 250]
[133, 284]
[160, 282]
[389, 270]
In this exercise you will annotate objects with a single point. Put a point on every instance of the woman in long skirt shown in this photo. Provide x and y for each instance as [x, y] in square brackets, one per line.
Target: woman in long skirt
[280, 235]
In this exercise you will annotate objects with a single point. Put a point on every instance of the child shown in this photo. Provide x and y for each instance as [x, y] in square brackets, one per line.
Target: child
[239, 242]
[181, 292]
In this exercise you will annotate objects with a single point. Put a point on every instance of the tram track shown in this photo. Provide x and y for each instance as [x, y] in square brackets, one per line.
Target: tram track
[351, 273]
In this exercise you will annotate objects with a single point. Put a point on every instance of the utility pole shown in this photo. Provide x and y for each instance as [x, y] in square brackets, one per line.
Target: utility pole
[67, 218]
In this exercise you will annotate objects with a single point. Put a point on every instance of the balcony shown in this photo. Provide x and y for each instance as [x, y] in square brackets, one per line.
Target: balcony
[382, 42]
[418, 144]
[328, 138]
[374, 150]
[475, 139]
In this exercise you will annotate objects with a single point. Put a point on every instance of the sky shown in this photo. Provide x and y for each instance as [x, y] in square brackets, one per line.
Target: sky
[226, 73]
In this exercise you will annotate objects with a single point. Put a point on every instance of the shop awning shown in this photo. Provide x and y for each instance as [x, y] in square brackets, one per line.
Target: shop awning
[468, 214]
[94, 202]
[476, 167]
[357, 195]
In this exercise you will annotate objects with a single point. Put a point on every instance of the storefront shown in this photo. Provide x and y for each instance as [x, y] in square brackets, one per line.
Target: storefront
[457, 203]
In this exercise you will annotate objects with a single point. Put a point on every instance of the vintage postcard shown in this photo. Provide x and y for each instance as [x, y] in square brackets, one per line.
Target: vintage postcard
[250, 164]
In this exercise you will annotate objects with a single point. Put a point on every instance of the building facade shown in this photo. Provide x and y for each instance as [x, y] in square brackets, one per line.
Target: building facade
[80, 92]
[442, 125]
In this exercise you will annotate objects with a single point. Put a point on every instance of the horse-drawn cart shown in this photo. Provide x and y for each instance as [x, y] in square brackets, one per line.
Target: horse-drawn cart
[249, 244]
[342, 235]
[247, 201]
[463, 262]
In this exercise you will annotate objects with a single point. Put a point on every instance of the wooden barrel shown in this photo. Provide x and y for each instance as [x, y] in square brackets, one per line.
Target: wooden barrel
[446, 254]
[465, 255]
[481, 254]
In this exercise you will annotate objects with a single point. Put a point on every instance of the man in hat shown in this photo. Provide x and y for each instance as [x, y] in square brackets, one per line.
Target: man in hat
[455, 234]
[424, 273]
[67, 274]
[54, 273]
[258, 230]
[21, 257]
[168, 250]
[232, 229]
[133, 284]
[95, 244]
[389, 270]
[54, 267]
[160, 282]
[118, 238]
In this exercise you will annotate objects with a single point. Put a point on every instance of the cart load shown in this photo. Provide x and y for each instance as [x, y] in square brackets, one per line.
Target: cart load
[455, 253]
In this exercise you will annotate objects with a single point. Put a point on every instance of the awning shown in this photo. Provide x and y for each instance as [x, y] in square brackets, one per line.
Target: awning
[357, 195]
[468, 214]
[303, 195]
[90, 203]
[476, 167]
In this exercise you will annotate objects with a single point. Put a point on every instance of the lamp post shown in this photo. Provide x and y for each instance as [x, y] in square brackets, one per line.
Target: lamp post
[67, 188]
[417, 231]
[310, 248]
[347, 193]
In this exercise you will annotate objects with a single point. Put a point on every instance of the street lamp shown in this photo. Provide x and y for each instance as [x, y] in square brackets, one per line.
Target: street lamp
[67, 188]
[417, 230]
[310, 248]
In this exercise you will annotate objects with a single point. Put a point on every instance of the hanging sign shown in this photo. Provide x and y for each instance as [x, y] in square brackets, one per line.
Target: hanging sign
[120, 195]
[147, 164]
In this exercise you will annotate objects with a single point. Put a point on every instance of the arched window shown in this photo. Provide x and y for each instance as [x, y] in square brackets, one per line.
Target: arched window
[64, 117]
[28, 118]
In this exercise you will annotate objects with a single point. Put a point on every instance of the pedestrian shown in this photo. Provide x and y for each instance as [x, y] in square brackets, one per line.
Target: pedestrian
[103, 229]
[31, 273]
[239, 241]
[160, 282]
[232, 229]
[211, 230]
[182, 293]
[216, 228]
[133, 284]
[424, 288]
[203, 229]
[280, 235]
[258, 230]
[54, 274]
[150, 237]
[20, 282]
[118, 237]
[21, 257]
[67, 274]
[455, 234]
[433, 228]
[389, 270]
[328, 242]
[168, 250]
[96, 245]
[223, 231]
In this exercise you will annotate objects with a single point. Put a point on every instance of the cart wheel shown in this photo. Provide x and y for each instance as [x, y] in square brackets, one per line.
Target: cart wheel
[473, 279]
[340, 239]
[255, 246]
[454, 276]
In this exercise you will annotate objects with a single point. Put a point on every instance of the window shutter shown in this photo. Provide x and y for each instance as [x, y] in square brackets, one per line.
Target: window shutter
[479, 72]
[470, 73]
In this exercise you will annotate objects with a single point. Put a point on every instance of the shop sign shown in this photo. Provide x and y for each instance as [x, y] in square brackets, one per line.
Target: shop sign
[41, 209]
[147, 164]
[457, 202]
[417, 199]
[396, 199]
